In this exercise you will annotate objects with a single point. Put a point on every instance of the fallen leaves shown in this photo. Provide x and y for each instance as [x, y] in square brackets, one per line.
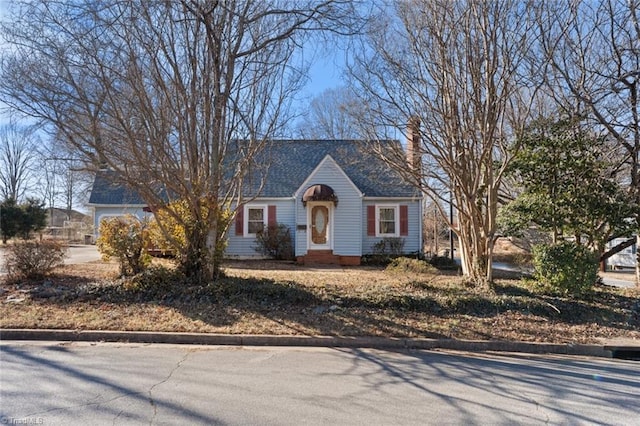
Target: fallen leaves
[283, 298]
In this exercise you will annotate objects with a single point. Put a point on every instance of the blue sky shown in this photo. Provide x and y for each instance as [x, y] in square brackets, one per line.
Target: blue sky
[325, 73]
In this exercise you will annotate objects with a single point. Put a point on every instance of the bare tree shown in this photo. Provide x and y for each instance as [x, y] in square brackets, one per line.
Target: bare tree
[17, 155]
[330, 116]
[594, 57]
[63, 180]
[456, 72]
[176, 96]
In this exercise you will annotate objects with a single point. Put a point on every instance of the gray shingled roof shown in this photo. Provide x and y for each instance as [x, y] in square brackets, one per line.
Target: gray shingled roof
[290, 164]
[293, 161]
[107, 190]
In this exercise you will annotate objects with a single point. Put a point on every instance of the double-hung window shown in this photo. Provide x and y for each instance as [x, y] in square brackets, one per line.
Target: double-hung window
[387, 221]
[256, 219]
[252, 219]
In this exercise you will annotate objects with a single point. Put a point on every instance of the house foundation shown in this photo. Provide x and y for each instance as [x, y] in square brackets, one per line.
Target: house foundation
[327, 257]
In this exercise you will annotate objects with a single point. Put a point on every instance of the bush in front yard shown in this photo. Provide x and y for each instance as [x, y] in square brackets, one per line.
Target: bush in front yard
[565, 268]
[275, 241]
[405, 264]
[34, 259]
[156, 281]
[390, 247]
[384, 251]
[124, 238]
[444, 263]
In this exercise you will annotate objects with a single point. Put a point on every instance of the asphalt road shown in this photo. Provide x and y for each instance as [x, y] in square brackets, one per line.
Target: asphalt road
[624, 279]
[124, 384]
[619, 279]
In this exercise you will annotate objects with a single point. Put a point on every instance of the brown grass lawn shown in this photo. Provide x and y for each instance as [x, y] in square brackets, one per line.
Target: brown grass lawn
[283, 298]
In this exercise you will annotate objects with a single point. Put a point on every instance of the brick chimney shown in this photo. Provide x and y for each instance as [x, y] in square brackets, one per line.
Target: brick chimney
[414, 155]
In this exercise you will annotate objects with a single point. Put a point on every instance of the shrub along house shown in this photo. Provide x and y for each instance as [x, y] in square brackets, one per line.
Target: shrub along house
[338, 201]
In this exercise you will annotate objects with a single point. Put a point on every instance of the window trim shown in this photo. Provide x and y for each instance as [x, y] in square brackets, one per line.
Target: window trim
[265, 217]
[396, 220]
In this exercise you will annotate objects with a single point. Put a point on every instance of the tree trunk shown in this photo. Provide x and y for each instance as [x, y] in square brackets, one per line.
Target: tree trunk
[215, 254]
[475, 252]
[638, 260]
[475, 264]
[173, 86]
[195, 263]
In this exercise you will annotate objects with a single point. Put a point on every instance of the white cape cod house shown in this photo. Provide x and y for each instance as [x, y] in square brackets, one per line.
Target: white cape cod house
[337, 199]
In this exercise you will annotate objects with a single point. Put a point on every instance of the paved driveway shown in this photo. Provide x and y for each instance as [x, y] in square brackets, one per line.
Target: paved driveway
[81, 254]
[624, 279]
[76, 254]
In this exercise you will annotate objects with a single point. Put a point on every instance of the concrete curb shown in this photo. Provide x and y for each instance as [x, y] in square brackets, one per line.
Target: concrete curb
[606, 351]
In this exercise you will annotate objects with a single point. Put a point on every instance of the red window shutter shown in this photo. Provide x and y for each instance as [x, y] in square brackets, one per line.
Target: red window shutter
[404, 220]
[371, 220]
[272, 216]
[240, 221]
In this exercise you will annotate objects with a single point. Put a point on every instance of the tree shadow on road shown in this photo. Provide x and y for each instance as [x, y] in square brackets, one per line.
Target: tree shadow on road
[546, 383]
[67, 377]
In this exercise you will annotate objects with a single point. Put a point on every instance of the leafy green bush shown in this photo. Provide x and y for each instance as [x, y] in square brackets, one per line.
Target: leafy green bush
[34, 218]
[172, 229]
[275, 241]
[34, 259]
[406, 264]
[21, 220]
[565, 268]
[124, 237]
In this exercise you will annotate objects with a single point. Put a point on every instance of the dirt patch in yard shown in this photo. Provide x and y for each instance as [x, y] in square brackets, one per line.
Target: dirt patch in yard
[284, 298]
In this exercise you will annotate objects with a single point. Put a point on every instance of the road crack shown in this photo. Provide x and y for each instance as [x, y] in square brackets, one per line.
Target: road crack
[150, 391]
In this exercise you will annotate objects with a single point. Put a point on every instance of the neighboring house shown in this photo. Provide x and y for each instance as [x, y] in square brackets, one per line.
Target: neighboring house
[109, 199]
[69, 225]
[63, 218]
[624, 259]
[338, 201]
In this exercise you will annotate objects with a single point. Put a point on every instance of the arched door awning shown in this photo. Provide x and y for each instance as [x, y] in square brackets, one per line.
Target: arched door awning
[319, 193]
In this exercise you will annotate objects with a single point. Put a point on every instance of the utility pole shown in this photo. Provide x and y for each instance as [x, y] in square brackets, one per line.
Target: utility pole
[451, 222]
[435, 230]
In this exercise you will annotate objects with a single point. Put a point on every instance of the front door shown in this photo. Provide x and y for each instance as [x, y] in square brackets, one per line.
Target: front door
[320, 226]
